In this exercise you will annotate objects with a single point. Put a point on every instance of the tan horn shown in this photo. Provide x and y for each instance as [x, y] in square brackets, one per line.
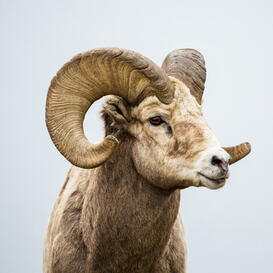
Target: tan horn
[85, 79]
[238, 152]
[188, 66]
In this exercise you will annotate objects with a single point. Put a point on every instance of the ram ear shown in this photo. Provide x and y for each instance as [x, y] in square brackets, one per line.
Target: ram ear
[117, 108]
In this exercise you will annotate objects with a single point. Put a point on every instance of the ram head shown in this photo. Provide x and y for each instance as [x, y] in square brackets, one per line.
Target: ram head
[156, 110]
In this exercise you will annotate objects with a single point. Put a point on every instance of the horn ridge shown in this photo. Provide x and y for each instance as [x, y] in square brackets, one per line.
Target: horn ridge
[188, 66]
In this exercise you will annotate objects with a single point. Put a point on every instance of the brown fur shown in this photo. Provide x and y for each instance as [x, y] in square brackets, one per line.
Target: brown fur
[189, 145]
[110, 219]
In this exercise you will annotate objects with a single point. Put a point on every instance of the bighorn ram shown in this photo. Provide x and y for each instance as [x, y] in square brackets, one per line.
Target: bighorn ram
[118, 208]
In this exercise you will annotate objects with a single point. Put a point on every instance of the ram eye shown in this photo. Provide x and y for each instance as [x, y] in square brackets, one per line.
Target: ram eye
[156, 120]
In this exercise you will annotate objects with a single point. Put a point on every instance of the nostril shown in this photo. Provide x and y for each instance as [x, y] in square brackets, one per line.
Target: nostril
[215, 160]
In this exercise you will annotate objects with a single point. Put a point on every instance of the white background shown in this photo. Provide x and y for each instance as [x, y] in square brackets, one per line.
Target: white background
[229, 230]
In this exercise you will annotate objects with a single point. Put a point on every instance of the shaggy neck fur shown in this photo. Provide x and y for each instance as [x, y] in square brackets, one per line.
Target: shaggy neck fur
[131, 219]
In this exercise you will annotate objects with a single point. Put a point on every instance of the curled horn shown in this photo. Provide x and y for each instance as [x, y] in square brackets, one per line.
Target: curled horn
[238, 152]
[85, 79]
[188, 66]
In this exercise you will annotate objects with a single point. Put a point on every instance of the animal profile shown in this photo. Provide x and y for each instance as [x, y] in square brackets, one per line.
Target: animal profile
[118, 210]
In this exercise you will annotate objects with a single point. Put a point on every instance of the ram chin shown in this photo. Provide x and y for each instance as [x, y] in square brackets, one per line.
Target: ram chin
[212, 184]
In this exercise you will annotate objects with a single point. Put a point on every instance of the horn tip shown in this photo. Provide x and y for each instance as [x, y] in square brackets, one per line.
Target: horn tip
[247, 146]
[112, 139]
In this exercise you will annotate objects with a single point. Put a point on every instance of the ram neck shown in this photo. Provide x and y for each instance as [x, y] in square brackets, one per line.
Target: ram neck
[131, 220]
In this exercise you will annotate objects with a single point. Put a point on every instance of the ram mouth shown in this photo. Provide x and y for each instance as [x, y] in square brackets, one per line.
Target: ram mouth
[215, 180]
